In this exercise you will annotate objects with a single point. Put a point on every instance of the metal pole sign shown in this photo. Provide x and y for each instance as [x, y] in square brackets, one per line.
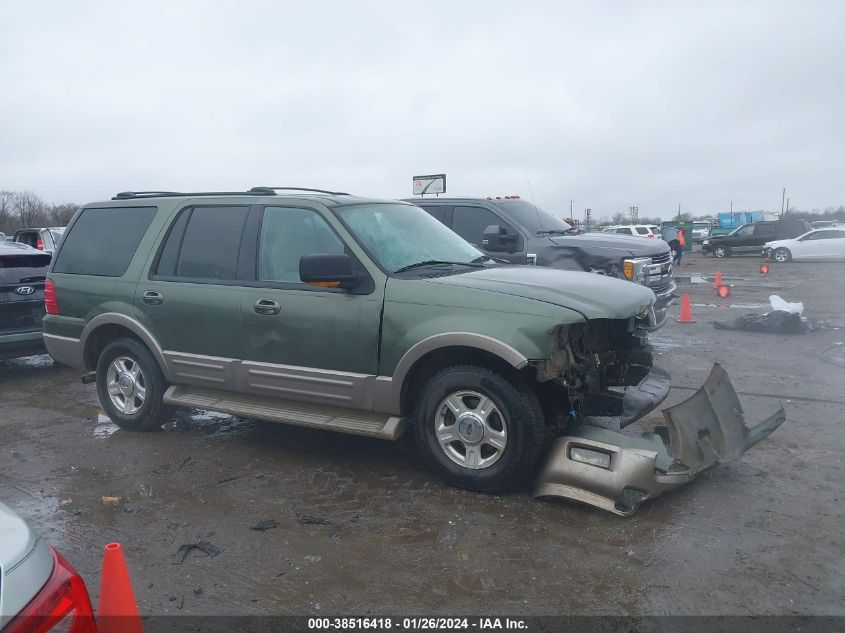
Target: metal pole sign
[435, 183]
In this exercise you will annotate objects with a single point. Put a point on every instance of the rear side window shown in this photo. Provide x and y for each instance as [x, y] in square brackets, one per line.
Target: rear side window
[438, 211]
[642, 230]
[102, 242]
[764, 230]
[203, 244]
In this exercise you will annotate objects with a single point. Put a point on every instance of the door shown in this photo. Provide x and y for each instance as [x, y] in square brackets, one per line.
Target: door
[191, 300]
[827, 244]
[762, 233]
[312, 344]
[743, 240]
[470, 222]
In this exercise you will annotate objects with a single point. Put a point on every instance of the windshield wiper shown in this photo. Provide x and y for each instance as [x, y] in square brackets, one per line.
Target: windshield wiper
[435, 262]
[487, 258]
[555, 232]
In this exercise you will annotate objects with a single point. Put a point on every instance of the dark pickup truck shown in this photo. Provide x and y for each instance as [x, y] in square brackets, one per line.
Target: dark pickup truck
[516, 230]
[22, 273]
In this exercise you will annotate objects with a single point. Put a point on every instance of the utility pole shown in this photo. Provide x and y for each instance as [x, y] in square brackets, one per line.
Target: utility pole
[787, 205]
[570, 209]
[587, 214]
[679, 212]
[634, 213]
[781, 203]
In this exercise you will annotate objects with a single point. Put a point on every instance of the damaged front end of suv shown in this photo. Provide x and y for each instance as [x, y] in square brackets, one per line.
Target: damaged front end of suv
[604, 369]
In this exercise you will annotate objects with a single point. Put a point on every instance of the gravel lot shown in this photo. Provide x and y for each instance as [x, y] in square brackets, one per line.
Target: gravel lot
[363, 527]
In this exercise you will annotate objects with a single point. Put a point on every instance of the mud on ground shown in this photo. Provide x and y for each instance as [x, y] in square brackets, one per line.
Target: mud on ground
[363, 527]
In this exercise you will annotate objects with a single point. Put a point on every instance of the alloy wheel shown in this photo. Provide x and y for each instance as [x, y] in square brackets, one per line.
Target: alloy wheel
[126, 385]
[470, 429]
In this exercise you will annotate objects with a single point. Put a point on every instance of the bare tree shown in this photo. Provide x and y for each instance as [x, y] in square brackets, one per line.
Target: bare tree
[29, 208]
[620, 217]
[6, 198]
[60, 214]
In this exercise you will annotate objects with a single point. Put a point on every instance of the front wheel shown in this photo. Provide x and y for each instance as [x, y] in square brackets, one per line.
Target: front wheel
[478, 429]
[782, 255]
[131, 386]
[721, 251]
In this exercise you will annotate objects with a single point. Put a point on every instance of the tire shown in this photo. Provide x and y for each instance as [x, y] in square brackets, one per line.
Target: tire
[721, 251]
[782, 255]
[137, 386]
[514, 423]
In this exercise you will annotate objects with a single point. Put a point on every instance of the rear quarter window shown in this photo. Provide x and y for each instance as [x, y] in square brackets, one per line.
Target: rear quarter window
[103, 241]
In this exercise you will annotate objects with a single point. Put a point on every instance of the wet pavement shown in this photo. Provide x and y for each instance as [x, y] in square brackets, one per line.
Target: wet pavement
[363, 527]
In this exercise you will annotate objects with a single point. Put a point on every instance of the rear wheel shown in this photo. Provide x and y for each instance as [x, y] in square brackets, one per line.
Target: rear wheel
[131, 386]
[721, 251]
[478, 429]
[782, 255]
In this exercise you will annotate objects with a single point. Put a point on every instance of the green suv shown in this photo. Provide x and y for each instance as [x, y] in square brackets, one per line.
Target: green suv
[363, 316]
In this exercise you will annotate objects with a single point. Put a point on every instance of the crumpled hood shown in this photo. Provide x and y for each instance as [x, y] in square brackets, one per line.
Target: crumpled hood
[627, 246]
[594, 296]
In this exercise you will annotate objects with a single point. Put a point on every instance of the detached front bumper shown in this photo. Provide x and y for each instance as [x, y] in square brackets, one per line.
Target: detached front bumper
[618, 472]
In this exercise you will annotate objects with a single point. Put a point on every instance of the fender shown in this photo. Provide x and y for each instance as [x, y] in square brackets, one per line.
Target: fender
[115, 318]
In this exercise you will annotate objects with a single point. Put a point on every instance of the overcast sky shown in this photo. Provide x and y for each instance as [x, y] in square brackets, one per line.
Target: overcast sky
[607, 104]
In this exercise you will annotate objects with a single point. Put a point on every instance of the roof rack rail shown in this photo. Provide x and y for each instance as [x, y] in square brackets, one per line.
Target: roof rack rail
[129, 195]
[274, 189]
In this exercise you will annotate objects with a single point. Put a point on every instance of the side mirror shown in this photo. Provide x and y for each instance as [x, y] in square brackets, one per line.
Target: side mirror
[327, 270]
[496, 238]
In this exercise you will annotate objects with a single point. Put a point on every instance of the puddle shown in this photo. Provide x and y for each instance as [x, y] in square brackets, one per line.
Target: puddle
[213, 423]
[105, 427]
[39, 360]
[738, 306]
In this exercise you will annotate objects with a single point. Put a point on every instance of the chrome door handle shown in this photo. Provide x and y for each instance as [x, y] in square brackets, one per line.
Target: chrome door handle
[267, 307]
[153, 298]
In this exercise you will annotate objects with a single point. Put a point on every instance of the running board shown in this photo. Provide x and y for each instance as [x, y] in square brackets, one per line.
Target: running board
[314, 416]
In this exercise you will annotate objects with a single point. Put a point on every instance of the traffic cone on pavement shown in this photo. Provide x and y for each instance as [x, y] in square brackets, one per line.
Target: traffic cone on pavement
[686, 311]
[718, 281]
[118, 609]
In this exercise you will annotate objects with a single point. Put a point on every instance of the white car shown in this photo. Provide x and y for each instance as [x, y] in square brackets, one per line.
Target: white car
[40, 589]
[637, 230]
[819, 244]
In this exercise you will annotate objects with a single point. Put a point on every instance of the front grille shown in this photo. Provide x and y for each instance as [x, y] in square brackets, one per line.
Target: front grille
[661, 287]
[662, 259]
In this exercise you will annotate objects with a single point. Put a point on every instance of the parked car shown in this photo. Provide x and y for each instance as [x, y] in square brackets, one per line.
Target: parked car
[700, 231]
[41, 239]
[22, 274]
[636, 230]
[519, 232]
[750, 238]
[819, 245]
[824, 224]
[41, 591]
[370, 317]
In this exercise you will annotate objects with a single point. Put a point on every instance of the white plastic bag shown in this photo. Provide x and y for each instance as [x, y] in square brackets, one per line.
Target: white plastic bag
[786, 306]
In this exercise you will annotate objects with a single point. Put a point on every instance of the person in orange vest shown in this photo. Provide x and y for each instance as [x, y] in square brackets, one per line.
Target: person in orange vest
[679, 251]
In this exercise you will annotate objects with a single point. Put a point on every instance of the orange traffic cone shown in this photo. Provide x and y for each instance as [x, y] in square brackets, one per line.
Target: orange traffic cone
[718, 281]
[118, 610]
[686, 311]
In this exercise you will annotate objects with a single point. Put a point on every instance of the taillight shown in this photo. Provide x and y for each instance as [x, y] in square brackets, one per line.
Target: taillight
[39, 244]
[61, 605]
[51, 304]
